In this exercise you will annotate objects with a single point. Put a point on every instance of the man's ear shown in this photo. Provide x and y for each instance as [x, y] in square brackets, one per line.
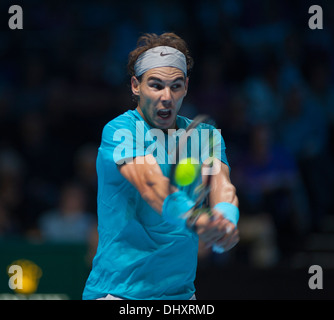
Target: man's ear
[135, 84]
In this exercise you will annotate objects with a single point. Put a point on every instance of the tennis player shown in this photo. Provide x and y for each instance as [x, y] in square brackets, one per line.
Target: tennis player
[145, 251]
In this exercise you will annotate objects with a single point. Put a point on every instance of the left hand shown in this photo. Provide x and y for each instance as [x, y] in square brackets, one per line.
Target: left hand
[217, 230]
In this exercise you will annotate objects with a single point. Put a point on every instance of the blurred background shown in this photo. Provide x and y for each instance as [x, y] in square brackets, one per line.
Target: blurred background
[260, 71]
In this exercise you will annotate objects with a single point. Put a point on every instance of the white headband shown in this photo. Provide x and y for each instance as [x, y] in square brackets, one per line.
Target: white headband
[161, 56]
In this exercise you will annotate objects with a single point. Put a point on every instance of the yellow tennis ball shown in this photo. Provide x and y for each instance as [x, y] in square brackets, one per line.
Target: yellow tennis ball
[186, 172]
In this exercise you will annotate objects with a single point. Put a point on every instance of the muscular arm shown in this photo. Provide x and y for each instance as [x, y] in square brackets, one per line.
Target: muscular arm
[146, 176]
[219, 231]
[222, 190]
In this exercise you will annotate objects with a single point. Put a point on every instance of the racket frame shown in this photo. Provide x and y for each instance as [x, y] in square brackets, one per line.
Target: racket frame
[204, 188]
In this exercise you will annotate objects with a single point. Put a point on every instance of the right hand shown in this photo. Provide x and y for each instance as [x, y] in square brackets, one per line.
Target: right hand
[217, 230]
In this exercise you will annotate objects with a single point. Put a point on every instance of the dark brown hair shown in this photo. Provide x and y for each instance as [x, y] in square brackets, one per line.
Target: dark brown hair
[151, 40]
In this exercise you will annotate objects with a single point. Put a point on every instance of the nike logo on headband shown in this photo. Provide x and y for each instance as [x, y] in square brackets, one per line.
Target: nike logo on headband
[164, 54]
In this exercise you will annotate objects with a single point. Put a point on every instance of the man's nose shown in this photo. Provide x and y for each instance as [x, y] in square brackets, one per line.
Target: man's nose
[166, 95]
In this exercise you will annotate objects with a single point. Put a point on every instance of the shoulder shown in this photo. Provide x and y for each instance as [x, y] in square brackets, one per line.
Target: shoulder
[184, 122]
[123, 122]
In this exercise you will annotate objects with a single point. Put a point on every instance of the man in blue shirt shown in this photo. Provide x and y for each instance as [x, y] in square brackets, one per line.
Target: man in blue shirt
[145, 251]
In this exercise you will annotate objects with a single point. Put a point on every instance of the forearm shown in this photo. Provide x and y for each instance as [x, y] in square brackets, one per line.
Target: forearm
[226, 193]
[147, 177]
[221, 231]
[222, 190]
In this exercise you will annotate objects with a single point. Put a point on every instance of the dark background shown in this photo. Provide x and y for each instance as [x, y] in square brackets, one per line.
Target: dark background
[259, 70]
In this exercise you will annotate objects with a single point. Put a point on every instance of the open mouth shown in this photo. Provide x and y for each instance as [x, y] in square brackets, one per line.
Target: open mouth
[164, 113]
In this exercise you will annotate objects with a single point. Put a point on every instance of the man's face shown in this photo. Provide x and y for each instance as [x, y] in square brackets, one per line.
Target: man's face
[161, 92]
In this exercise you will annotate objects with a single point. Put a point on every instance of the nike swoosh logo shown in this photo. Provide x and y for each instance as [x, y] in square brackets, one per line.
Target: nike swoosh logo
[164, 54]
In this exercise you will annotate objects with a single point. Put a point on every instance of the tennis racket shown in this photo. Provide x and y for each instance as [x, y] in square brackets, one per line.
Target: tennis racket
[202, 191]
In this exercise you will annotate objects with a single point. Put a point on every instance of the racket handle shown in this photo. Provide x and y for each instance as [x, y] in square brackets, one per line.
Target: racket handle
[217, 249]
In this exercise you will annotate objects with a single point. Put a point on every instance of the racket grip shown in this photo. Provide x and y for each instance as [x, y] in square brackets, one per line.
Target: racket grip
[217, 249]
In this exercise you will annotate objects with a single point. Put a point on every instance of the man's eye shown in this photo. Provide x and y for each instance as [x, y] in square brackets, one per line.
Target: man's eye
[156, 86]
[176, 86]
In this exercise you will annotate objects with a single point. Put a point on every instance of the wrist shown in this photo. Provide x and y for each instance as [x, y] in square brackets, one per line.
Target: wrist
[229, 211]
[175, 207]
